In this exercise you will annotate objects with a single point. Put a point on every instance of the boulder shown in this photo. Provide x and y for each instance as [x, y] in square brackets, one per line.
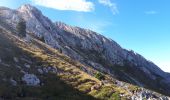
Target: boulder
[31, 80]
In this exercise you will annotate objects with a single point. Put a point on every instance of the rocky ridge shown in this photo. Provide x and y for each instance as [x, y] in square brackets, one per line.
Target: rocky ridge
[90, 48]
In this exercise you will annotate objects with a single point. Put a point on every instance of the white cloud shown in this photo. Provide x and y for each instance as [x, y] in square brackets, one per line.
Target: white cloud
[106, 2]
[76, 5]
[110, 4]
[151, 12]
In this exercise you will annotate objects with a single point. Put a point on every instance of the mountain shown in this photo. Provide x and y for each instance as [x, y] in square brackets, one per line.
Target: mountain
[55, 56]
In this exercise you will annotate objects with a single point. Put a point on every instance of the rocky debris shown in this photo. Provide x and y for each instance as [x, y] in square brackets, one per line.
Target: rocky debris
[140, 93]
[4, 64]
[40, 71]
[22, 71]
[16, 59]
[26, 60]
[148, 95]
[27, 65]
[19, 67]
[31, 80]
[49, 69]
[13, 82]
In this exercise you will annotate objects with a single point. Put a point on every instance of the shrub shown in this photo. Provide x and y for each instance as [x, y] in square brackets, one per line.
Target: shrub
[115, 96]
[99, 76]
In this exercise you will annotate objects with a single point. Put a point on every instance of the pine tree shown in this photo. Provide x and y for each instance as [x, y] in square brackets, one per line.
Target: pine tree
[21, 28]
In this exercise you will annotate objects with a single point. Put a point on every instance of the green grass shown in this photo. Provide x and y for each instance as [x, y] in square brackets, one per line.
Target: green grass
[115, 96]
[99, 76]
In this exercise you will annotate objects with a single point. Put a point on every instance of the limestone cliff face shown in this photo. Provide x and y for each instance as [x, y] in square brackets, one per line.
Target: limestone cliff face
[90, 48]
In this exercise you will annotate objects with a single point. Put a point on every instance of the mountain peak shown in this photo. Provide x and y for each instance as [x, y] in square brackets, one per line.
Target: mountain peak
[28, 8]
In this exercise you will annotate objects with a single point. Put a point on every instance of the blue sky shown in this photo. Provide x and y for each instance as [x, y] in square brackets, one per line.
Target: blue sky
[140, 25]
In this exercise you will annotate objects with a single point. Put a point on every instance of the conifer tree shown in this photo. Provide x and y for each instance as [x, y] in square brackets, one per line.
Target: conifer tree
[21, 28]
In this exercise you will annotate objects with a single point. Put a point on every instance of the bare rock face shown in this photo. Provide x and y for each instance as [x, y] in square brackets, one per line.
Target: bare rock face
[106, 55]
[89, 48]
[39, 25]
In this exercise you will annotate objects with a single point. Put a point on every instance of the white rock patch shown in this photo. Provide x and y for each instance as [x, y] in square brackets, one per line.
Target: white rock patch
[40, 71]
[16, 59]
[18, 66]
[13, 82]
[22, 71]
[50, 69]
[27, 66]
[31, 79]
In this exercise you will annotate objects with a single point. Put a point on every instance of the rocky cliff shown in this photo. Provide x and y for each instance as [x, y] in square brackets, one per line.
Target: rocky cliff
[89, 48]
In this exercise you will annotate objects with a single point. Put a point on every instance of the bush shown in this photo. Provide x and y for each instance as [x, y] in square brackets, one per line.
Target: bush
[42, 39]
[115, 96]
[21, 28]
[99, 76]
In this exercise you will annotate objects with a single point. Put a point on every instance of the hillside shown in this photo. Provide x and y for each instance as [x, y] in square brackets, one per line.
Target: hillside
[57, 61]
[51, 75]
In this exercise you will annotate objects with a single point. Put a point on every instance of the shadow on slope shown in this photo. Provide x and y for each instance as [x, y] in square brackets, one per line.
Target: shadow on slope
[53, 87]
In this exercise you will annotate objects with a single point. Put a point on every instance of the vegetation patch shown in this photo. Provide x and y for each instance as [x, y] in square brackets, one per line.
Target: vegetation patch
[99, 76]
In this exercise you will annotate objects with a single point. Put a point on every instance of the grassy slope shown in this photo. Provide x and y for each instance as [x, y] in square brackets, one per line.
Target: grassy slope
[69, 83]
[54, 87]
